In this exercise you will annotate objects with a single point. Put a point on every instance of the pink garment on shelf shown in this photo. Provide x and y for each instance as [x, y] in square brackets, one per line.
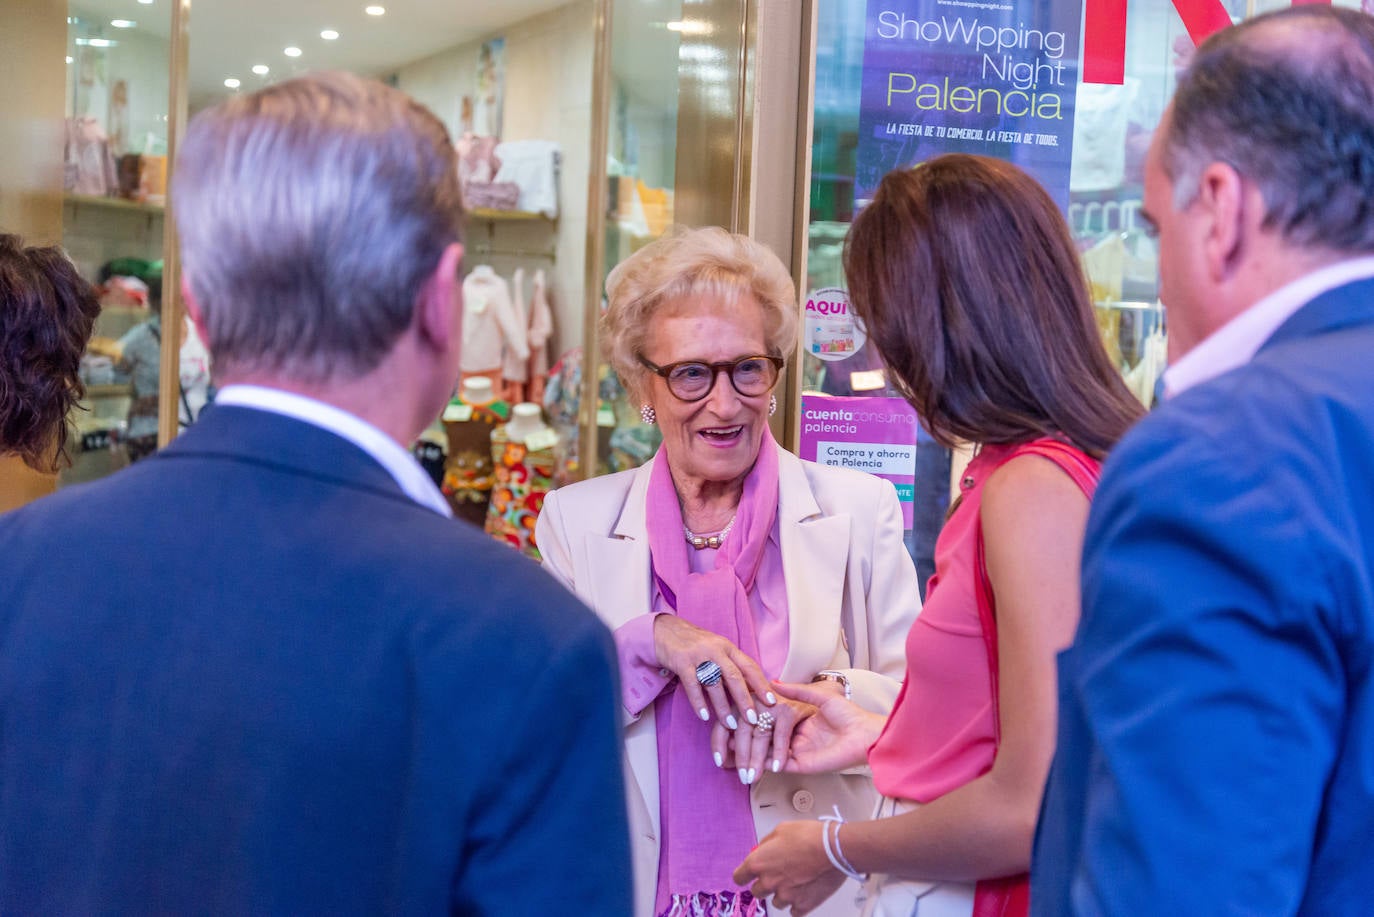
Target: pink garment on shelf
[90, 166]
[942, 732]
[540, 327]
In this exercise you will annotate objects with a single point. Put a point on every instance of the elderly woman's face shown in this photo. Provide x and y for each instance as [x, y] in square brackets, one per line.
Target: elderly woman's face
[717, 438]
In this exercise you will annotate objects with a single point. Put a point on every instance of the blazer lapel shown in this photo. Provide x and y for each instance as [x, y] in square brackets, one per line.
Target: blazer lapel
[814, 550]
[618, 563]
[621, 588]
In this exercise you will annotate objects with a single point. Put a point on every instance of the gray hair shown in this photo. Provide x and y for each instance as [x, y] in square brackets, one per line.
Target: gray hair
[692, 262]
[1286, 99]
[310, 215]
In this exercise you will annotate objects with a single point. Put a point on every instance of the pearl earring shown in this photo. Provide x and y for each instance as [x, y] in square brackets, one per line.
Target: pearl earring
[647, 414]
[772, 405]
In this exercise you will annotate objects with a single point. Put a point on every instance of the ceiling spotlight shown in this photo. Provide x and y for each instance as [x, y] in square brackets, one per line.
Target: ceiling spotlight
[329, 34]
[97, 42]
[232, 83]
[292, 51]
[123, 23]
[261, 69]
[146, 2]
[375, 10]
[69, 59]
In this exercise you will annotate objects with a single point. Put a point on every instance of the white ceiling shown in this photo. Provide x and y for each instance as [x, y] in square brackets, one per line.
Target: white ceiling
[229, 36]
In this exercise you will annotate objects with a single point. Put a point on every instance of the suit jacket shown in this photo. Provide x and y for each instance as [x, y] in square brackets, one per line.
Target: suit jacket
[249, 675]
[851, 594]
[1216, 739]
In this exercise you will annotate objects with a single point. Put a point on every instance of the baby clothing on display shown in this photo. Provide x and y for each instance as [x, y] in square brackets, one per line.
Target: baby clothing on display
[523, 458]
[490, 322]
[515, 368]
[540, 330]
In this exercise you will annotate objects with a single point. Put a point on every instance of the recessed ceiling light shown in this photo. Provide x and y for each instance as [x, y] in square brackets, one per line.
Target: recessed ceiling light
[375, 10]
[232, 83]
[329, 34]
[292, 51]
[146, 2]
[261, 69]
[69, 60]
[123, 23]
[97, 42]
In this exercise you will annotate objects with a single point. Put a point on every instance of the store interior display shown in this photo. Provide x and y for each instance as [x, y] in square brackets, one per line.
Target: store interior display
[468, 422]
[515, 126]
[523, 457]
[507, 325]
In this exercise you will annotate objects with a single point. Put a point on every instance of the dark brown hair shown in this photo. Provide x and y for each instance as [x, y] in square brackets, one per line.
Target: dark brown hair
[47, 311]
[968, 281]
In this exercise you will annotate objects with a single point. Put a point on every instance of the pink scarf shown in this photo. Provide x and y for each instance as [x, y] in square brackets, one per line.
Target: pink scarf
[706, 822]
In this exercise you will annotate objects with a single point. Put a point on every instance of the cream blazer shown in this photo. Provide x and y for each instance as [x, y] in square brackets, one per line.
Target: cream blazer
[851, 594]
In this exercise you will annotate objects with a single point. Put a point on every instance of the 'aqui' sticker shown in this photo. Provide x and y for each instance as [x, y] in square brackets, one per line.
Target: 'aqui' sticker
[831, 330]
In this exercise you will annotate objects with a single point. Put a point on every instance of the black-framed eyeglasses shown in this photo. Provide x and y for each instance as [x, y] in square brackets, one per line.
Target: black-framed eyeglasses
[692, 380]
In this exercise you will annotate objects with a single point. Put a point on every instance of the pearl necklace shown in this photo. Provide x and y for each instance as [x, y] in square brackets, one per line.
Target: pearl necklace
[703, 541]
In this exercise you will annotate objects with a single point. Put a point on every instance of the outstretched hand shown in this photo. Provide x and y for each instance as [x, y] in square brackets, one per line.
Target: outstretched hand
[837, 737]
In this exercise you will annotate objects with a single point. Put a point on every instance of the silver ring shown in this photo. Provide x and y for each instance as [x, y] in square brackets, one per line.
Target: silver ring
[765, 724]
[708, 673]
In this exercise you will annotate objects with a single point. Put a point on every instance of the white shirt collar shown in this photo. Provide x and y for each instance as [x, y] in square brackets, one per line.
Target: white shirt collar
[399, 463]
[1236, 343]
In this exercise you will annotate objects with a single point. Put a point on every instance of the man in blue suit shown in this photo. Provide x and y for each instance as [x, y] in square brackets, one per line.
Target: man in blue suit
[1216, 736]
[264, 671]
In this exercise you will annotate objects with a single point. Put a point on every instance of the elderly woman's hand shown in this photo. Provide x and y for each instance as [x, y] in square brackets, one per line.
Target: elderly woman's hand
[751, 749]
[682, 646]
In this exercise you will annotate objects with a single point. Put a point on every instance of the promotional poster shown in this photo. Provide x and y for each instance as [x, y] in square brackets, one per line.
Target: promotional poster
[992, 77]
[875, 435]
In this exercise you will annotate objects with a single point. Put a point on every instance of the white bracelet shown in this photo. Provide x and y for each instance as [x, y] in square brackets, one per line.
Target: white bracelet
[836, 856]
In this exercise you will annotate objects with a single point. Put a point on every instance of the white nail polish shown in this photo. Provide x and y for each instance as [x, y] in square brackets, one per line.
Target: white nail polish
[777, 765]
[719, 759]
[742, 775]
[752, 774]
[704, 714]
[772, 699]
[751, 716]
[732, 722]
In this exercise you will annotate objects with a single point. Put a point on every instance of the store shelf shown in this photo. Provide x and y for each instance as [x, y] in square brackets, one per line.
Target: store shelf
[109, 390]
[485, 213]
[112, 203]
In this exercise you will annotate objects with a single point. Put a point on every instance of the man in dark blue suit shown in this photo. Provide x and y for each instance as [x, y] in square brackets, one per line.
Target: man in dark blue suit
[1216, 743]
[264, 671]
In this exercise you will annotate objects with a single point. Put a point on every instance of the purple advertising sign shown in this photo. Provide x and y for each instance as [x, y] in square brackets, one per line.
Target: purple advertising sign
[876, 435]
[994, 77]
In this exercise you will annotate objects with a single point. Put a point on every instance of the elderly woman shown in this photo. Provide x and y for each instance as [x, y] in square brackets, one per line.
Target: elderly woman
[721, 564]
[969, 284]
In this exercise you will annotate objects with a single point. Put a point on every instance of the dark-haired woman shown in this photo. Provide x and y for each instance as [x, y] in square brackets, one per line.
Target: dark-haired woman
[47, 311]
[969, 283]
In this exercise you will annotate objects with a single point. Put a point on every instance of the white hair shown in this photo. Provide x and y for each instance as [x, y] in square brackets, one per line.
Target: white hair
[688, 262]
[310, 215]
